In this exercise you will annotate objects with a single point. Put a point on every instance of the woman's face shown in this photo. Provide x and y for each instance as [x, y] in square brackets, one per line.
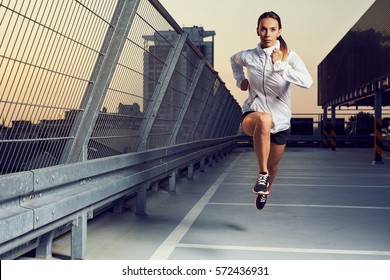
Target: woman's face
[269, 31]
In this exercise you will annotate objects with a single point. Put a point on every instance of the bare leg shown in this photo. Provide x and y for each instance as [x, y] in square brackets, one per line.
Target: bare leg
[276, 153]
[258, 125]
[268, 154]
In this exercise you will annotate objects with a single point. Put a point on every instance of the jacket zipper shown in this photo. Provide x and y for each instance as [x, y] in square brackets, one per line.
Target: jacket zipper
[266, 99]
[265, 94]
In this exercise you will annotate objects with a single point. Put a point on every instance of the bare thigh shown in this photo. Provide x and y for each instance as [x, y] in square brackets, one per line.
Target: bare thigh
[250, 121]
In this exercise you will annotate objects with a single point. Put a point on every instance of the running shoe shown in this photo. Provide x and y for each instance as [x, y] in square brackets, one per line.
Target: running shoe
[260, 201]
[261, 186]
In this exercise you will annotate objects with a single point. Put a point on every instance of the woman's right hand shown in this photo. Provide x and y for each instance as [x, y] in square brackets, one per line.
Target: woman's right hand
[244, 85]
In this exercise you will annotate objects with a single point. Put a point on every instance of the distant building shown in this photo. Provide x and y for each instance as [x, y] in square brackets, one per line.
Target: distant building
[360, 57]
[197, 35]
[132, 110]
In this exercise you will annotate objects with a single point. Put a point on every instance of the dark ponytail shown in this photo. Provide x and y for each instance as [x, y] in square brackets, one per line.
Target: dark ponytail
[283, 47]
[283, 44]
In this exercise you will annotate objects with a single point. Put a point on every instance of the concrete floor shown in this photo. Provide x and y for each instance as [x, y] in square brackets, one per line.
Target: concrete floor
[324, 205]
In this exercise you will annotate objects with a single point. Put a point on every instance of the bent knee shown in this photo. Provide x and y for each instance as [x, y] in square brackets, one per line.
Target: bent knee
[264, 120]
[259, 121]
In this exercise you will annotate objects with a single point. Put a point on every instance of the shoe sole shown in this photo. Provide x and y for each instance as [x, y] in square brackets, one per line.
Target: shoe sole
[260, 192]
[260, 204]
[266, 192]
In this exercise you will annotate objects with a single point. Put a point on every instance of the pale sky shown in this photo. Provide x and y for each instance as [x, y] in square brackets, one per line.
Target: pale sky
[310, 27]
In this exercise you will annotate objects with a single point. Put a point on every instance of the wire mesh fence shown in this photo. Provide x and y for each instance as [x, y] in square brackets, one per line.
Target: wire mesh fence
[47, 52]
[71, 89]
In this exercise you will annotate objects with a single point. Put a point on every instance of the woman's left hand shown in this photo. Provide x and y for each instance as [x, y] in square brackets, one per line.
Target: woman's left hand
[276, 55]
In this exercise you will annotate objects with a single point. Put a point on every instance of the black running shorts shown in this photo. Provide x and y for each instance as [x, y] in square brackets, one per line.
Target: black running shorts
[279, 138]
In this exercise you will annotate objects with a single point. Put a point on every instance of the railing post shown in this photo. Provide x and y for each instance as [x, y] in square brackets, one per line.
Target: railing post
[211, 160]
[141, 200]
[44, 249]
[172, 181]
[202, 165]
[79, 237]
[190, 170]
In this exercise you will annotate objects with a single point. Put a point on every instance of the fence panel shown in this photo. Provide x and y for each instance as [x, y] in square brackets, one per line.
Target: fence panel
[48, 50]
[52, 54]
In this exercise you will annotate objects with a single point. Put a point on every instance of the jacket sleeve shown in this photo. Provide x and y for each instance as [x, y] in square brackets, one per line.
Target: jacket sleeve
[294, 71]
[238, 64]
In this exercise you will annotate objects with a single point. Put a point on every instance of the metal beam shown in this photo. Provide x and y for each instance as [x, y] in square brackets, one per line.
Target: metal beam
[187, 101]
[76, 149]
[214, 132]
[213, 112]
[202, 110]
[158, 95]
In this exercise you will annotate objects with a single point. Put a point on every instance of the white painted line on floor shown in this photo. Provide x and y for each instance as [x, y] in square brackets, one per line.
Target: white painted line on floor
[285, 250]
[332, 186]
[312, 176]
[304, 205]
[297, 185]
[331, 206]
[170, 243]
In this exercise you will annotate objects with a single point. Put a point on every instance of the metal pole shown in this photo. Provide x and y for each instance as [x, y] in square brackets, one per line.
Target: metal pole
[189, 96]
[325, 142]
[218, 120]
[333, 130]
[100, 79]
[212, 111]
[158, 95]
[378, 123]
[202, 111]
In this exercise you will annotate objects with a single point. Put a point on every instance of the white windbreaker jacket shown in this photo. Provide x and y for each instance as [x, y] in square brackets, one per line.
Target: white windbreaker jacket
[270, 84]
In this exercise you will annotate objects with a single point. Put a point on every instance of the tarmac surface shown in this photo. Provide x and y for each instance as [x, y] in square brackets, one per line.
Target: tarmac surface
[324, 205]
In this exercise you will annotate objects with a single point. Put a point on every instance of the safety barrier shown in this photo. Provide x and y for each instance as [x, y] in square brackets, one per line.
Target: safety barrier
[49, 198]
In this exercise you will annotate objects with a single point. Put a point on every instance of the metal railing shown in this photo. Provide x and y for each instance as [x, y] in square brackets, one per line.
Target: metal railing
[48, 198]
[97, 99]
